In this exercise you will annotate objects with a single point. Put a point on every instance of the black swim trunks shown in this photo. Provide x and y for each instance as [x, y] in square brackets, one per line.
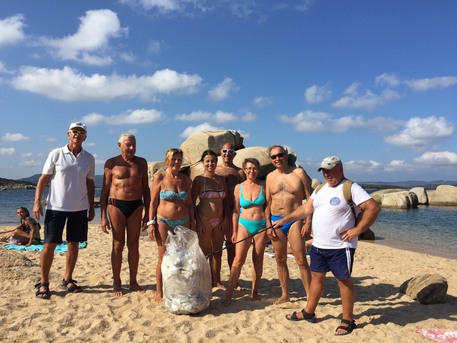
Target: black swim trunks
[127, 207]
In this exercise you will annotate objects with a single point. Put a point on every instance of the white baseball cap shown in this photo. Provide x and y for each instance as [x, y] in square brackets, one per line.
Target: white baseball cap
[330, 162]
[78, 125]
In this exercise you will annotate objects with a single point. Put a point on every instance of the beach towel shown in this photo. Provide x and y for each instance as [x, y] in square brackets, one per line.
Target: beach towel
[38, 247]
[439, 335]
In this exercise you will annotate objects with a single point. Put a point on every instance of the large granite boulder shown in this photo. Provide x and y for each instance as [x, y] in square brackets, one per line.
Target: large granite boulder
[426, 289]
[421, 195]
[258, 152]
[154, 167]
[195, 144]
[401, 200]
[377, 196]
[315, 183]
[444, 195]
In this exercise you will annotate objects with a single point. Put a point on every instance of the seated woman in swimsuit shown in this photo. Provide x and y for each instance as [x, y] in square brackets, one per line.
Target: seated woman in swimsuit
[248, 220]
[211, 190]
[171, 206]
[27, 232]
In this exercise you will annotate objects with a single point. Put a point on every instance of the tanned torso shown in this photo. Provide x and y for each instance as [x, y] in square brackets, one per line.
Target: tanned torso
[287, 191]
[126, 177]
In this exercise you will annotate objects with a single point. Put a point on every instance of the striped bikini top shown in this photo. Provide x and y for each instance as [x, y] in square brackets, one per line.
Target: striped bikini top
[211, 193]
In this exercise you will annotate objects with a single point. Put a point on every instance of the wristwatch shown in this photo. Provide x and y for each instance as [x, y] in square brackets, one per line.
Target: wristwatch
[151, 222]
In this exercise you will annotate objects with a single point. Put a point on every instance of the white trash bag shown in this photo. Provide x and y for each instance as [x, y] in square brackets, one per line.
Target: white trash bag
[186, 273]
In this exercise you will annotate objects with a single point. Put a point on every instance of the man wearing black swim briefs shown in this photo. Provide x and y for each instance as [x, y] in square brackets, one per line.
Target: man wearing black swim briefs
[125, 199]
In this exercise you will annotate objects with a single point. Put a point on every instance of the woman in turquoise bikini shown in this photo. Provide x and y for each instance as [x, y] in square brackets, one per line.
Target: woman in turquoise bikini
[171, 206]
[211, 191]
[248, 220]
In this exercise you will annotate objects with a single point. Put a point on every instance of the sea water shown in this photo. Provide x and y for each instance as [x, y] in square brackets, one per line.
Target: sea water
[426, 229]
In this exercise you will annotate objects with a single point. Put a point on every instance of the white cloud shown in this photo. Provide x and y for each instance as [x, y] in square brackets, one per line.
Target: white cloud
[194, 129]
[305, 5]
[360, 166]
[27, 154]
[421, 132]
[367, 101]
[154, 47]
[310, 121]
[97, 27]
[14, 137]
[223, 90]
[437, 158]
[416, 84]
[316, 94]
[430, 83]
[216, 117]
[69, 85]
[261, 101]
[4, 70]
[7, 151]
[11, 30]
[134, 117]
[31, 163]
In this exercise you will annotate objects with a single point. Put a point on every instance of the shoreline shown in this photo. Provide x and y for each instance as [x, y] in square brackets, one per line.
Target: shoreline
[381, 312]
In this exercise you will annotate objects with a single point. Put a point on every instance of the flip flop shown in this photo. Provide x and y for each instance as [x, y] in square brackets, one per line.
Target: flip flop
[74, 288]
[309, 317]
[347, 329]
[46, 294]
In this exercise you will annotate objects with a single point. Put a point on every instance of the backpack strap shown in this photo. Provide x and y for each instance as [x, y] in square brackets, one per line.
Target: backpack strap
[348, 197]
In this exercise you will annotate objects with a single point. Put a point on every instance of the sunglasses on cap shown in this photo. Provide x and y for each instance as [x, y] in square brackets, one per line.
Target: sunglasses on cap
[76, 132]
[230, 151]
[274, 157]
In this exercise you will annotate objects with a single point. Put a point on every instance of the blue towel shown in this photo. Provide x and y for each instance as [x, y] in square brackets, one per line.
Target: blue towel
[38, 247]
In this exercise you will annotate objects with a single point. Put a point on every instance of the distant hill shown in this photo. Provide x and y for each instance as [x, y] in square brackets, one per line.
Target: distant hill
[34, 180]
[14, 184]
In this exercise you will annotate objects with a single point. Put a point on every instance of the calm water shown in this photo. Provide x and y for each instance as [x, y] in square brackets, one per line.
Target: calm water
[431, 230]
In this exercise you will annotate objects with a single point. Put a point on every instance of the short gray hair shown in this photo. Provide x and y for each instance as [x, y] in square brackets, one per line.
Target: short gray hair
[125, 135]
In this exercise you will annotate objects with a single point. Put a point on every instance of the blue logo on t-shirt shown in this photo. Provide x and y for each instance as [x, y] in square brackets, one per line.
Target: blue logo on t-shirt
[335, 201]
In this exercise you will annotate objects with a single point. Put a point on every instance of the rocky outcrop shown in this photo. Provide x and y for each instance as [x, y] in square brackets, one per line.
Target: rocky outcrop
[421, 194]
[377, 196]
[401, 200]
[7, 184]
[426, 289]
[444, 195]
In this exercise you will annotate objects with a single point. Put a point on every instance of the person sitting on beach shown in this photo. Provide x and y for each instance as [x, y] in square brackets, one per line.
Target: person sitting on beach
[286, 187]
[211, 190]
[233, 176]
[171, 206]
[124, 196]
[335, 239]
[248, 220]
[27, 232]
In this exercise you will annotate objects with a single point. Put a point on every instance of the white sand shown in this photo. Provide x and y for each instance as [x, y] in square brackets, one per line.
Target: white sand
[381, 312]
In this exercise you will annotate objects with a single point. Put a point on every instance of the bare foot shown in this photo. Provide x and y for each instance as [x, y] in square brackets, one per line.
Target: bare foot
[220, 286]
[117, 291]
[158, 298]
[240, 288]
[256, 297]
[136, 287]
[282, 300]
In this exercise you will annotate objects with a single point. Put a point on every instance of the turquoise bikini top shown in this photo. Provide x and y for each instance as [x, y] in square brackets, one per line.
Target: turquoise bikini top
[170, 195]
[259, 201]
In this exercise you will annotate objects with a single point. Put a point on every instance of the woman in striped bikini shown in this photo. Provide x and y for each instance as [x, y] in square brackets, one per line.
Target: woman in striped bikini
[210, 190]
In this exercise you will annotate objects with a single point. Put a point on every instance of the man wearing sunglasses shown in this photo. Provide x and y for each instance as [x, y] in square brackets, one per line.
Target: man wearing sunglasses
[233, 176]
[286, 188]
[70, 172]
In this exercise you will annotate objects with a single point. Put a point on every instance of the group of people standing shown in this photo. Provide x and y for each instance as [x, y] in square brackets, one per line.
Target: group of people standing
[223, 204]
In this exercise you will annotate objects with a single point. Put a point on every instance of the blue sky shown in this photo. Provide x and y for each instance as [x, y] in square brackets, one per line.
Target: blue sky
[374, 82]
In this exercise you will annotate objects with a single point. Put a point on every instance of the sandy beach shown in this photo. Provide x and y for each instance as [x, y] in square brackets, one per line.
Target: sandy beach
[381, 312]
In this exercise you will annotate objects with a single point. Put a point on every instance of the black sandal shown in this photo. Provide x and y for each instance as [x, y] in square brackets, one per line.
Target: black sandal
[310, 317]
[347, 329]
[46, 294]
[74, 288]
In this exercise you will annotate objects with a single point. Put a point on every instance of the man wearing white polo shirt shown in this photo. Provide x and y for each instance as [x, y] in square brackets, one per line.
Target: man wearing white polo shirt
[70, 172]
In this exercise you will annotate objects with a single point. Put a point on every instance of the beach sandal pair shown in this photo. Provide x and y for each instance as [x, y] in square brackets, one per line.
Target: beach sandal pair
[347, 329]
[310, 317]
[46, 294]
[73, 288]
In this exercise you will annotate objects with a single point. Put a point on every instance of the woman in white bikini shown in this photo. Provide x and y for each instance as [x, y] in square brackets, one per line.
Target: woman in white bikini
[210, 190]
[171, 206]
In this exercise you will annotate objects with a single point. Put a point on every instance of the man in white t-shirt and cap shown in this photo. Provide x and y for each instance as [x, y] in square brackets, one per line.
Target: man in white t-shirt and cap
[70, 172]
[335, 234]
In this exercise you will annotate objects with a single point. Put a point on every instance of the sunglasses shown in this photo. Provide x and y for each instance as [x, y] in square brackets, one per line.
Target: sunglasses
[274, 157]
[76, 132]
[230, 151]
